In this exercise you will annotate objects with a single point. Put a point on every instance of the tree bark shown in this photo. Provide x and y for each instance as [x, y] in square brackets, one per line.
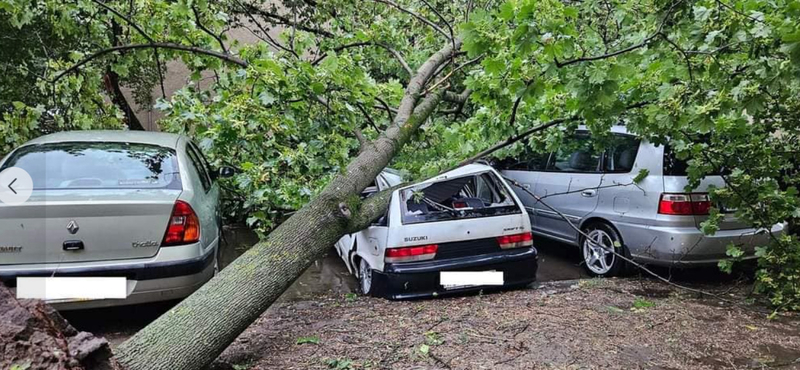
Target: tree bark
[112, 85]
[196, 331]
[111, 80]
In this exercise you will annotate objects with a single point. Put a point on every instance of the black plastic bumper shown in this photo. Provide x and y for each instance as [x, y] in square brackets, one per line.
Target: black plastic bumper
[132, 271]
[421, 279]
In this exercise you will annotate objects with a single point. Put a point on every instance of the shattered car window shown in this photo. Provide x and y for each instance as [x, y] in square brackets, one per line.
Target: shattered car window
[471, 196]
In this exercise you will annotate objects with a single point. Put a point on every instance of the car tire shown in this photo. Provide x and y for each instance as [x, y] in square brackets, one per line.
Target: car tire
[365, 277]
[597, 258]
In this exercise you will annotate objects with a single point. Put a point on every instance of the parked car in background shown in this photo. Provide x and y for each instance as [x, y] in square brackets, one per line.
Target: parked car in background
[138, 205]
[466, 220]
[654, 222]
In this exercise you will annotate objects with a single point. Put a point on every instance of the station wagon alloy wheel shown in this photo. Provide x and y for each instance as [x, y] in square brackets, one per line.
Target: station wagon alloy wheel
[597, 252]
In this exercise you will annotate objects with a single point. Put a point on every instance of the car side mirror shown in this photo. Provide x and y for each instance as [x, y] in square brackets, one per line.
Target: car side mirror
[223, 172]
[226, 171]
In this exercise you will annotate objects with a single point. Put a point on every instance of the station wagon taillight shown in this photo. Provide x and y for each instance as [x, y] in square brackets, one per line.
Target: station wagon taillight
[515, 241]
[184, 226]
[684, 204]
[410, 254]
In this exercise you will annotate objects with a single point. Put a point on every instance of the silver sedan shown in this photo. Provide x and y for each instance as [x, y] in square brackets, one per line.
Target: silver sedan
[142, 206]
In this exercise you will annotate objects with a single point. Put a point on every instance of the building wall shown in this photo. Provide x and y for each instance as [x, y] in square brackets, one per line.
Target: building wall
[178, 75]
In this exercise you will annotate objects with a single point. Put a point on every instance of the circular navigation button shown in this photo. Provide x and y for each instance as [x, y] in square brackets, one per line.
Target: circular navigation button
[16, 186]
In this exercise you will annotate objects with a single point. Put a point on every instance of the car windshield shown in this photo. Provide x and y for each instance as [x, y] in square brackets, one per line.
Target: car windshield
[89, 165]
[472, 196]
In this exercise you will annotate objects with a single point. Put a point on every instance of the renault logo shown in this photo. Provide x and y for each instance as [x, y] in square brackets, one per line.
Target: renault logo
[73, 227]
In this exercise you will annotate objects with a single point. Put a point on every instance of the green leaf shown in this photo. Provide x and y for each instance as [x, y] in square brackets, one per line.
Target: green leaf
[725, 266]
[266, 98]
[424, 349]
[507, 10]
[597, 76]
[314, 339]
[643, 173]
[318, 87]
[494, 66]
[641, 303]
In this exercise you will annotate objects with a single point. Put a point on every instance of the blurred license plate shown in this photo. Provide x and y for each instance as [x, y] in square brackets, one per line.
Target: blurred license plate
[61, 289]
[465, 279]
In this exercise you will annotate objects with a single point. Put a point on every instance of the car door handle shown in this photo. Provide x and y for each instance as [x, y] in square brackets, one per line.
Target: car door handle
[589, 193]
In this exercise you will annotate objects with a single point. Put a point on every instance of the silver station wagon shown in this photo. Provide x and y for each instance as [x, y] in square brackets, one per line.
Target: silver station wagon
[138, 205]
[656, 222]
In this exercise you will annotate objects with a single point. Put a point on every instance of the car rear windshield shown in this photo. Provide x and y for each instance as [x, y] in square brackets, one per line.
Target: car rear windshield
[472, 196]
[674, 166]
[84, 165]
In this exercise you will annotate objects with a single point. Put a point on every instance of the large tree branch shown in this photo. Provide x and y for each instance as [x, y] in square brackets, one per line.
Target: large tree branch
[155, 45]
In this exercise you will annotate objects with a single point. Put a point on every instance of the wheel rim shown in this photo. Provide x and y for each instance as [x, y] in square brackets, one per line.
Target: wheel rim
[366, 277]
[598, 252]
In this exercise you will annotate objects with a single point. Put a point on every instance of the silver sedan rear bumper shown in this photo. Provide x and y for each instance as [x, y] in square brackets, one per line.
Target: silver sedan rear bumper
[174, 273]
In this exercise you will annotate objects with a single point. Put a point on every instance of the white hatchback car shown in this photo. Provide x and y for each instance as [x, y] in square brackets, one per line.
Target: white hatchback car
[139, 205]
[466, 220]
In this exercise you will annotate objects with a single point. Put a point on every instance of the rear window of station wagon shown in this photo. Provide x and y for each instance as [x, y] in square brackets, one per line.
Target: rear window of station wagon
[90, 165]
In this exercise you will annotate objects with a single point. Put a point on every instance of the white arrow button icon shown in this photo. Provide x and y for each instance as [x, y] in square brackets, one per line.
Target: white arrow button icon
[16, 186]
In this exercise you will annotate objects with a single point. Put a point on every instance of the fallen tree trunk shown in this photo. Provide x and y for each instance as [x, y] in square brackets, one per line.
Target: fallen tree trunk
[196, 331]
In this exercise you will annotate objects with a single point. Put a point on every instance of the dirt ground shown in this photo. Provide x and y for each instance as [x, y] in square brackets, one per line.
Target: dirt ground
[587, 324]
